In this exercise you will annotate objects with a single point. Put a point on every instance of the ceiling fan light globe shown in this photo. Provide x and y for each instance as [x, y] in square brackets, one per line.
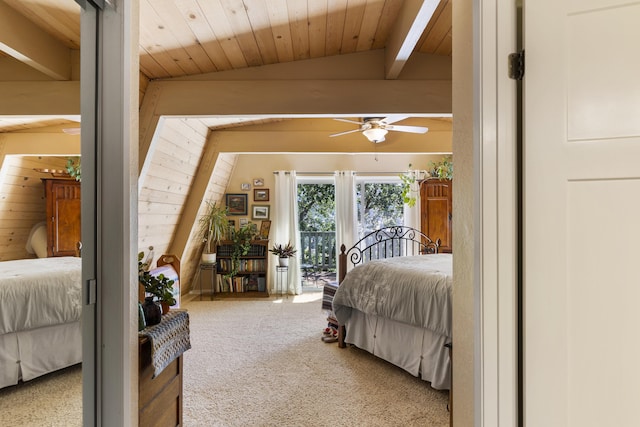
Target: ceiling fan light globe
[375, 134]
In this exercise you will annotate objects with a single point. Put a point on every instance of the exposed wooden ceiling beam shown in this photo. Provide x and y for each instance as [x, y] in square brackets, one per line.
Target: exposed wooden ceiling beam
[28, 43]
[40, 98]
[45, 144]
[411, 23]
[38, 144]
[303, 97]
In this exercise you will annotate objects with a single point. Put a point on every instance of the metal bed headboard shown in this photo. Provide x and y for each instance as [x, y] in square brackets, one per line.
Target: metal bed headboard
[386, 242]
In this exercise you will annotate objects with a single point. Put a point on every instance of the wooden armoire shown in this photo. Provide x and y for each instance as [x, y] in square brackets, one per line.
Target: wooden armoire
[63, 216]
[436, 211]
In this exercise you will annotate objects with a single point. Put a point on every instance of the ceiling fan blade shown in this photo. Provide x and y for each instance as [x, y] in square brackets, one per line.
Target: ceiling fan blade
[412, 129]
[344, 133]
[348, 121]
[394, 118]
[71, 131]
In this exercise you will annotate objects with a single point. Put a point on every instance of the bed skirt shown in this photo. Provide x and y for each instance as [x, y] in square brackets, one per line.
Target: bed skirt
[423, 352]
[26, 355]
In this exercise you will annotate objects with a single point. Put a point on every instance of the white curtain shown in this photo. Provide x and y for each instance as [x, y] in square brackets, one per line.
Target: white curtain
[284, 224]
[412, 214]
[346, 224]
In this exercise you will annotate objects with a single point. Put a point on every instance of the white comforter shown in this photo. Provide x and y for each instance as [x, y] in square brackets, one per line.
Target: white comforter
[414, 290]
[39, 292]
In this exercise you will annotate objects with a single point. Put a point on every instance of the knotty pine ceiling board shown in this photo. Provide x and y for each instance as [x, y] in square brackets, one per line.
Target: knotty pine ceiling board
[437, 34]
[223, 32]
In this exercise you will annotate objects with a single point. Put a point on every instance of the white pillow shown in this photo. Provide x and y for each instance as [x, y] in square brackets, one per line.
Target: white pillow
[37, 241]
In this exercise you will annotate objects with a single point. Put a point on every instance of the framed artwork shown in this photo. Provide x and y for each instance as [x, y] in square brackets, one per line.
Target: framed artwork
[261, 194]
[243, 222]
[245, 186]
[260, 212]
[258, 182]
[265, 226]
[237, 203]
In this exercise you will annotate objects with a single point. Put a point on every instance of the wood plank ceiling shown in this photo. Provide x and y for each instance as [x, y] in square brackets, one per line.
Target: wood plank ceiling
[200, 36]
[190, 37]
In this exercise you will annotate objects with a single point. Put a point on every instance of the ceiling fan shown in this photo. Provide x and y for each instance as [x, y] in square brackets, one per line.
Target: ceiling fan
[375, 128]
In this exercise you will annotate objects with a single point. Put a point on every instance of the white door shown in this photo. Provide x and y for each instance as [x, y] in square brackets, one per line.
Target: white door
[582, 213]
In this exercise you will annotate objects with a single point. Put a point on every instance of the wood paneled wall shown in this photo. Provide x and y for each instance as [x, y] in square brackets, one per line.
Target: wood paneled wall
[22, 203]
[172, 164]
[169, 170]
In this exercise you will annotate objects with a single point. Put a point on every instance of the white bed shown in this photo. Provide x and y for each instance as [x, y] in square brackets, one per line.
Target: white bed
[399, 308]
[40, 310]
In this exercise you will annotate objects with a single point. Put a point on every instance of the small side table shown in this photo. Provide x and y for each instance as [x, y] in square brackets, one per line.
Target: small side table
[282, 280]
[212, 267]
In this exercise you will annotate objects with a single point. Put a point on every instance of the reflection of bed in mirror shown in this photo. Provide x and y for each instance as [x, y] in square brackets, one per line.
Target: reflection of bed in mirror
[40, 310]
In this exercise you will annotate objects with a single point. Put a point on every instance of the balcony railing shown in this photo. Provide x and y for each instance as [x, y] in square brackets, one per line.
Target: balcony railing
[318, 250]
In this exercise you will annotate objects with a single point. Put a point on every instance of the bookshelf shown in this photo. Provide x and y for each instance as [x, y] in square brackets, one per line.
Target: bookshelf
[251, 279]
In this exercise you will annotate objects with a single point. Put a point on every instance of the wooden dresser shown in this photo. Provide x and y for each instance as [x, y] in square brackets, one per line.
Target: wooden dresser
[160, 398]
[436, 211]
[63, 216]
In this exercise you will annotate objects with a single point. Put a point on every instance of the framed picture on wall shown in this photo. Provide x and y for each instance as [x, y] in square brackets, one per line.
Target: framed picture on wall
[243, 222]
[237, 203]
[265, 226]
[260, 212]
[245, 186]
[258, 182]
[261, 194]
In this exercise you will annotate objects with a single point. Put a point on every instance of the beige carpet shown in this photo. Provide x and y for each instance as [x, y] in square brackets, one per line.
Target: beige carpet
[258, 363]
[51, 400]
[262, 363]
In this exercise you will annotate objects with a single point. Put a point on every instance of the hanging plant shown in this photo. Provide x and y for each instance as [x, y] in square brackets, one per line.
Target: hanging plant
[73, 167]
[408, 179]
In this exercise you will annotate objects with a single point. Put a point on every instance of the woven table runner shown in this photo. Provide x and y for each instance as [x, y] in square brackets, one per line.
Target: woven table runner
[169, 339]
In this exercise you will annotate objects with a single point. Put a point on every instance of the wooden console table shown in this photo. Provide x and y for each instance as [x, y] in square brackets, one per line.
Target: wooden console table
[160, 398]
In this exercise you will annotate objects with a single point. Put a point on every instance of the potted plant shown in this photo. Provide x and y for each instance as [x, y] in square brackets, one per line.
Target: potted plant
[241, 244]
[213, 228]
[158, 290]
[442, 169]
[74, 168]
[284, 252]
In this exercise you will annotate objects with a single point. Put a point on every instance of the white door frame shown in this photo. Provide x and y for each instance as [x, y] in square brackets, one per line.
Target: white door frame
[485, 215]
